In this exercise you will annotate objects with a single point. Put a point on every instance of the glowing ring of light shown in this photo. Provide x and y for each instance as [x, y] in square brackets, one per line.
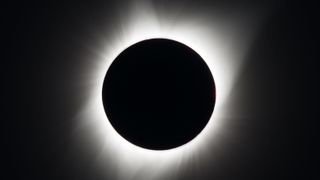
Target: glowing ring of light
[214, 48]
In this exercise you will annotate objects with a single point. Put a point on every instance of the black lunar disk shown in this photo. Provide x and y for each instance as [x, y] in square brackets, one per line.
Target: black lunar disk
[158, 94]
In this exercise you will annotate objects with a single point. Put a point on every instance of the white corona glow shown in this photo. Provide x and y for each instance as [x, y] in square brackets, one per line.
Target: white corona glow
[222, 51]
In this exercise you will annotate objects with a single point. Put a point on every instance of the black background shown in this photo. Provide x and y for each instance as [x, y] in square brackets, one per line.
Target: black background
[41, 65]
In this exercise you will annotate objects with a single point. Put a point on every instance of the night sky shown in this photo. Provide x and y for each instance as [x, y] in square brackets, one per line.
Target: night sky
[52, 46]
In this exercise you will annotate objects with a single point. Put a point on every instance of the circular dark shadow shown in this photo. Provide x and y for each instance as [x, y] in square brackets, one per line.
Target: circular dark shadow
[158, 94]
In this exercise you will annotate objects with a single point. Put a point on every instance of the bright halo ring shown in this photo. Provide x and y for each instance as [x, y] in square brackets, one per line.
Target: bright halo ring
[213, 45]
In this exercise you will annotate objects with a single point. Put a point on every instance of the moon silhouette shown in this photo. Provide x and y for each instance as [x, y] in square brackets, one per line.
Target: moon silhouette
[158, 94]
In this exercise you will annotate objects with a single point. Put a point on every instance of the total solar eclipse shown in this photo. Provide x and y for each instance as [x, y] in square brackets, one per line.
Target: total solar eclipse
[158, 94]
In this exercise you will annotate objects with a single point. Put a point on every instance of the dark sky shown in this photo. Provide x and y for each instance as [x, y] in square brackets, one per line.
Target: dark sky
[43, 61]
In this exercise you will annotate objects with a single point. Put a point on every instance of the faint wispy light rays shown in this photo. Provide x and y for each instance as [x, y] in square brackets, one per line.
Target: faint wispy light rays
[216, 40]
